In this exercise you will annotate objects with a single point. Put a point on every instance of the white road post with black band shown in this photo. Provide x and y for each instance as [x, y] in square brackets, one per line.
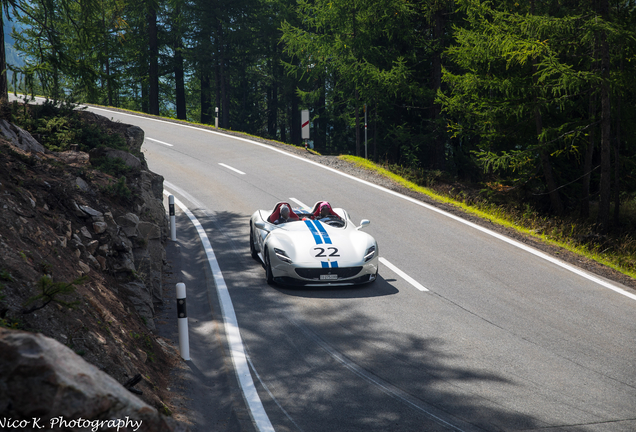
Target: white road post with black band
[173, 225]
[182, 320]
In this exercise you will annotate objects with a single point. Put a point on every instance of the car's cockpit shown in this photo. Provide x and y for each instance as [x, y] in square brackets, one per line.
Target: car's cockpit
[329, 216]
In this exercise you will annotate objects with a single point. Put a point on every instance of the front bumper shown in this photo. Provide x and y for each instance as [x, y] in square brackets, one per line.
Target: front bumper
[286, 274]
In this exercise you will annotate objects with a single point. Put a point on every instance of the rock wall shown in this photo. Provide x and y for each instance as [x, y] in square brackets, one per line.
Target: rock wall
[45, 382]
[61, 218]
[128, 242]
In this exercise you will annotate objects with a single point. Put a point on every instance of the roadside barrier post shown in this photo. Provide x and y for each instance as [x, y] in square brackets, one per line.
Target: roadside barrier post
[182, 320]
[173, 225]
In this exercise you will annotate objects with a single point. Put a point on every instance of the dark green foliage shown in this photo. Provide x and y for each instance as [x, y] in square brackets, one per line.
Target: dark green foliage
[113, 166]
[51, 292]
[502, 92]
[57, 127]
[5, 276]
[119, 189]
[12, 323]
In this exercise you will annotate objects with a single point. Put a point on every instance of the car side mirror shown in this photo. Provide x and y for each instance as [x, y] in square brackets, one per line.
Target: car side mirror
[364, 223]
[260, 225]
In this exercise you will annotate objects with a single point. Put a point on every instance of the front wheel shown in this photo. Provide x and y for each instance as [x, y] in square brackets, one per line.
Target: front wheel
[269, 276]
[252, 245]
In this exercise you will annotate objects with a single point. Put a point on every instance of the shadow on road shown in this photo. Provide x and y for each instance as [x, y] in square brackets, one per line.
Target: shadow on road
[381, 287]
[323, 361]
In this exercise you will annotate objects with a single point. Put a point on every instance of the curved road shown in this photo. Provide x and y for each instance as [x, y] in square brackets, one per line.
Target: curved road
[483, 336]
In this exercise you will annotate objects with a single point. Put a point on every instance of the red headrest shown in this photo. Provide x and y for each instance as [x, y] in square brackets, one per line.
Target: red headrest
[276, 213]
[319, 204]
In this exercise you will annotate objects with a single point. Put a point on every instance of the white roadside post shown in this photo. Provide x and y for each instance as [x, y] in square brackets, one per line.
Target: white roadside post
[216, 117]
[182, 322]
[173, 225]
[304, 126]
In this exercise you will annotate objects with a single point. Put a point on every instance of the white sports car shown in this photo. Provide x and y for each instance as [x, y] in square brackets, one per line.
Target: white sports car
[312, 249]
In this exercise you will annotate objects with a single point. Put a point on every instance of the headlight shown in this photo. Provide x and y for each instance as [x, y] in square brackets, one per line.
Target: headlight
[370, 254]
[282, 256]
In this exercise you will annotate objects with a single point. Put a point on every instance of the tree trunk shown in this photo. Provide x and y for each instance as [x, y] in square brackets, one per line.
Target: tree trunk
[144, 95]
[179, 79]
[617, 163]
[587, 165]
[109, 87]
[357, 124]
[320, 135]
[217, 75]
[555, 198]
[153, 74]
[272, 104]
[225, 97]
[179, 85]
[295, 120]
[439, 154]
[605, 190]
[206, 102]
[283, 121]
[375, 133]
[4, 87]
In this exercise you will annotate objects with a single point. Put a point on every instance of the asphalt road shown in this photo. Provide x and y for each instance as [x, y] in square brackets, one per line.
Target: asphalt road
[502, 339]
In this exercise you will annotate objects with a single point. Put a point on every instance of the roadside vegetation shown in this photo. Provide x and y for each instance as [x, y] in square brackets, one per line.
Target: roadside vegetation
[523, 112]
[499, 205]
[59, 127]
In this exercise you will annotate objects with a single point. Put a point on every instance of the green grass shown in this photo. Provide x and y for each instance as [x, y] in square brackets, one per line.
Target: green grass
[619, 255]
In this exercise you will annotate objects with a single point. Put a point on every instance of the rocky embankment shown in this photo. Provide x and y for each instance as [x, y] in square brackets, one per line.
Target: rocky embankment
[81, 260]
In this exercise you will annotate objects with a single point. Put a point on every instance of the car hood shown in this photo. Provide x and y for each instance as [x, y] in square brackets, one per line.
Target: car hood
[314, 244]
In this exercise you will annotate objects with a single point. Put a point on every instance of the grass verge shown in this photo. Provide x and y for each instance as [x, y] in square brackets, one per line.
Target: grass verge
[563, 234]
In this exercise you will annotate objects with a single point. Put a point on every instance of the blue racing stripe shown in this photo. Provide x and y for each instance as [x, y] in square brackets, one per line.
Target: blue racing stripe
[323, 231]
[334, 264]
[324, 264]
[314, 232]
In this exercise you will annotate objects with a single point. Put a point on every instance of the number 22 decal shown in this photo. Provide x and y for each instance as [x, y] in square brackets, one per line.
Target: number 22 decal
[321, 253]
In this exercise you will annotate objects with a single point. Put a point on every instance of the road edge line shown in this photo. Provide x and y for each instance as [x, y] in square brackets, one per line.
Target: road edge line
[403, 275]
[230, 322]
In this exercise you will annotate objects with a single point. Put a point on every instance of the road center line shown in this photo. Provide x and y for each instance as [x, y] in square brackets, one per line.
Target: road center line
[300, 203]
[403, 275]
[510, 241]
[230, 168]
[160, 142]
[237, 350]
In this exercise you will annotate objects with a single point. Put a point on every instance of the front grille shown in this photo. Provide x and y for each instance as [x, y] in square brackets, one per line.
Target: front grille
[314, 273]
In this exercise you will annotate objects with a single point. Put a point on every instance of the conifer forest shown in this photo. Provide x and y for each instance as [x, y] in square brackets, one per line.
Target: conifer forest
[534, 97]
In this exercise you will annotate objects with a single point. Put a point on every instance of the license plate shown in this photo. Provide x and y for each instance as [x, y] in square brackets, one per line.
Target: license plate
[328, 277]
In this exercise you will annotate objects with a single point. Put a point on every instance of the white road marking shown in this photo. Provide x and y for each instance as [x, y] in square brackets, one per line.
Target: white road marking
[304, 206]
[237, 350]
[160, 142]
[403, 275]
[272, 395]
[230, 168]
[535, 252]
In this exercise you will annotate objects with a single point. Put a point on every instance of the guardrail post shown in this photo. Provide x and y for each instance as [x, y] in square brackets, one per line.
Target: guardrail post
[173, 224]
[182, 320]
